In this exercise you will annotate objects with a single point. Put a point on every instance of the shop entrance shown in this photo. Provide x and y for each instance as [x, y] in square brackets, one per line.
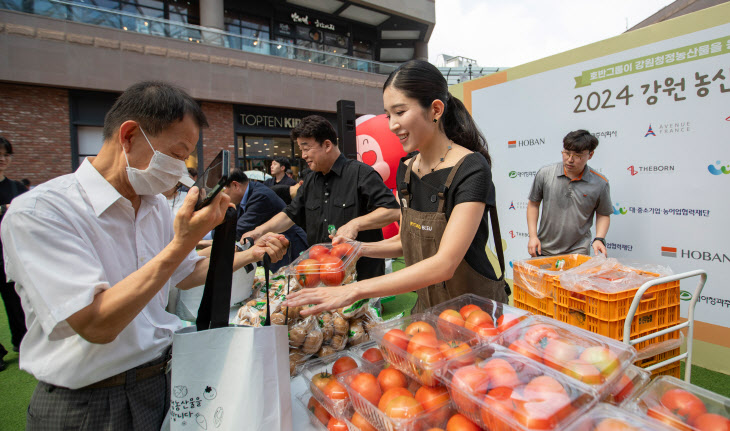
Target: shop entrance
[255, 153]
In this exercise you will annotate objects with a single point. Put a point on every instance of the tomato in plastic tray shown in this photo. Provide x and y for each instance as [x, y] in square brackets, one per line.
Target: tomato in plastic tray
[326, 264]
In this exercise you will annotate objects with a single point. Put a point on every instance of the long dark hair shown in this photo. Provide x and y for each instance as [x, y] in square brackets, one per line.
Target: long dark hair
[422, 81]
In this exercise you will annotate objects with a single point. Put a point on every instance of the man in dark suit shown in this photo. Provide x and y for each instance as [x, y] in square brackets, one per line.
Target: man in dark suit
[256, 204]
[278, 173]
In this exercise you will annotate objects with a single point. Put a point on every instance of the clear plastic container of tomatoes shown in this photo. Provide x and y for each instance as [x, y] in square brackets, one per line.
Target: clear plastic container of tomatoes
[421, 344]
[362, 350]
[319, 417]
[391, 400]
[632, 381]
[499, 389]
[605, 417]
[590, 358]
[319, 374]
[681, 405]
[326, 264]
[493, 317]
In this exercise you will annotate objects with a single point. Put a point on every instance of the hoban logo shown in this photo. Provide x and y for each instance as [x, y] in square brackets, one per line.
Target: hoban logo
[707, 256]
[526, 143]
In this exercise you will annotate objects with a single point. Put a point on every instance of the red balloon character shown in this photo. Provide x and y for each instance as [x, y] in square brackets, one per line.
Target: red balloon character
[380, 148]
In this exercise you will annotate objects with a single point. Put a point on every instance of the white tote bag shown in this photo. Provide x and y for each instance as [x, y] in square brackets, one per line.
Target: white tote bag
[228, 377]
[234, 378]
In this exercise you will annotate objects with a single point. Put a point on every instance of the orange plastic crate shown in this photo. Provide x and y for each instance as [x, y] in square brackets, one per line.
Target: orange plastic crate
[673, 369]
[528, 272]
[544, 306]
[641, 325]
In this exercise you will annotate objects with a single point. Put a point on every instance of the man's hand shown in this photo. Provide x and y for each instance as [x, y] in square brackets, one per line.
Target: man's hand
[347, 231]
[273, 244]
[534, 247]
[253, 234]
[191, 226]
[599, 248]
[294, 189]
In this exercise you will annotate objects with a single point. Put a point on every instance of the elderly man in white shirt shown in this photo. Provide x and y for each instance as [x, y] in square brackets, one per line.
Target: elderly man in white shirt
[93, 255]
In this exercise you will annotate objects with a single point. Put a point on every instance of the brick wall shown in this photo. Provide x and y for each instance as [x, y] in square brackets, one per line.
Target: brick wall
[36, 121]
[220, 134]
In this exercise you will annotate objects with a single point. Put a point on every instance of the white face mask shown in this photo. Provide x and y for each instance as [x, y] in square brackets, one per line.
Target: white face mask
[162, 174]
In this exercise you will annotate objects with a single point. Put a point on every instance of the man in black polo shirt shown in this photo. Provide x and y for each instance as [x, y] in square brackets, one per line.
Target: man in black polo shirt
[341, 194]
[278, 173]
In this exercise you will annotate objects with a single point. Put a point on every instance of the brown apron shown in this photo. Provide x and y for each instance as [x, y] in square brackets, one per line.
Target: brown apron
[421, 234]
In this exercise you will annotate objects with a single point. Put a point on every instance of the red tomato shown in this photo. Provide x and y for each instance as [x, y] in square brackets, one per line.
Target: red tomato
[431, 398]
[539, 335]
[622, 389]
[318, 251]
[343, 364]
[373, 354]
[342, 251]
[583, 371]
[467, 309]
[318, 411]
[422, 339]
[320, 380]
[500, 373]
[544, 414]
[397, 338]
[469, 381]
[457, 349]
[543, 387]
[359, 421]
[403, 407]
[476, 318]
[331, 271]
[367, 385]
[452, 316]
[497, 408]
[603, 358]
[486, 330]
[664, 415]
[335, 391]
[711, 422]
[614, 425]
[308, 272]
[524, 349]
[506, 321]
[558, 352]
[427, 364]
[390, 394]
[391, 378]
[418, 327]
[459, 422]
[683, 404]
[336, 425]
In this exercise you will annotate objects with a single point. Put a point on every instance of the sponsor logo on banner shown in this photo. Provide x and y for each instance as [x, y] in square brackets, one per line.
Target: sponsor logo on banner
[669, 251]
[650, 169]
[720, 302]
[618, 209]
[522, 174]
[607, 134]
[719, 169]
[615, 246]
[526, 142]
[685, 296]
[517, 205]
[727, 119]
[516, 234]
[704, 255]
[512, 205]
[649, 132]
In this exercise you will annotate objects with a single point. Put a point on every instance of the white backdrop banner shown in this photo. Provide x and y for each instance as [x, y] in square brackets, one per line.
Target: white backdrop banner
[661, 112]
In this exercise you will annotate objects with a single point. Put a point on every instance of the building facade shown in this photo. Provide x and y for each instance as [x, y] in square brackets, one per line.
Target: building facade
[256, 68]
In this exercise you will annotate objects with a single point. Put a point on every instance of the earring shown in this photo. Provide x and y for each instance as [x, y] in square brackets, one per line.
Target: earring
[435, 120]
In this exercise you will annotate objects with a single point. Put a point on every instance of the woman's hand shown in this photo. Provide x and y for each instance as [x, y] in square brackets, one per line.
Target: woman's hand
[323, 298]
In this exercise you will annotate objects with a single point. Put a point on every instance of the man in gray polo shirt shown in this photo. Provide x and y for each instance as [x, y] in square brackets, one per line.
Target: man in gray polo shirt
[570, 193]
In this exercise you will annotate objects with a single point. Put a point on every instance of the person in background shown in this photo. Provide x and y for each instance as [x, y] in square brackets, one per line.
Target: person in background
[194, 175]
[571, 193]
[278, 173]
[340, 195]
[26, 183]
[9, 190]
[445, 190]
[175, 198]
[256, 205]
[290, 174]
[93, 255]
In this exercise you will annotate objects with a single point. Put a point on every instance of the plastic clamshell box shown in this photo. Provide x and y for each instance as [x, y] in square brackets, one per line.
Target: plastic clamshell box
[651, 402]
[532, 397]
[425, 374]
[566, 349]
[631, 382]
[303, 399]
[359, 349]
[608, 417]
[378, 418]
[319, 365]
[322, 273]
[493, 308]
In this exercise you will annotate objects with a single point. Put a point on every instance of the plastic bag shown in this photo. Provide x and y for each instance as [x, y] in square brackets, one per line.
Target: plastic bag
[537, 275]
[609, 275]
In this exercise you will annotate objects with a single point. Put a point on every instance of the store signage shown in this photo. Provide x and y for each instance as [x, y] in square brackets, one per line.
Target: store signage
[305, 20]
[272, 121]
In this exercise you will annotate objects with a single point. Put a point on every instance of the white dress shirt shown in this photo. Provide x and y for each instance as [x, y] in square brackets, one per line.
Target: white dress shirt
[64, 242]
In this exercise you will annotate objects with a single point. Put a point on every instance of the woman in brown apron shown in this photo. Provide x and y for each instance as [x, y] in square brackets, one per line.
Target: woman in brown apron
[446, 195]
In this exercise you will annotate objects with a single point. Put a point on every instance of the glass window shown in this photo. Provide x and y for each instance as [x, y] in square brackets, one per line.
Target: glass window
[90, 140]
[255, 32]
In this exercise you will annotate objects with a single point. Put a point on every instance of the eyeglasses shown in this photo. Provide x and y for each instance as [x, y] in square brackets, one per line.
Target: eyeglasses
[569, 155]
